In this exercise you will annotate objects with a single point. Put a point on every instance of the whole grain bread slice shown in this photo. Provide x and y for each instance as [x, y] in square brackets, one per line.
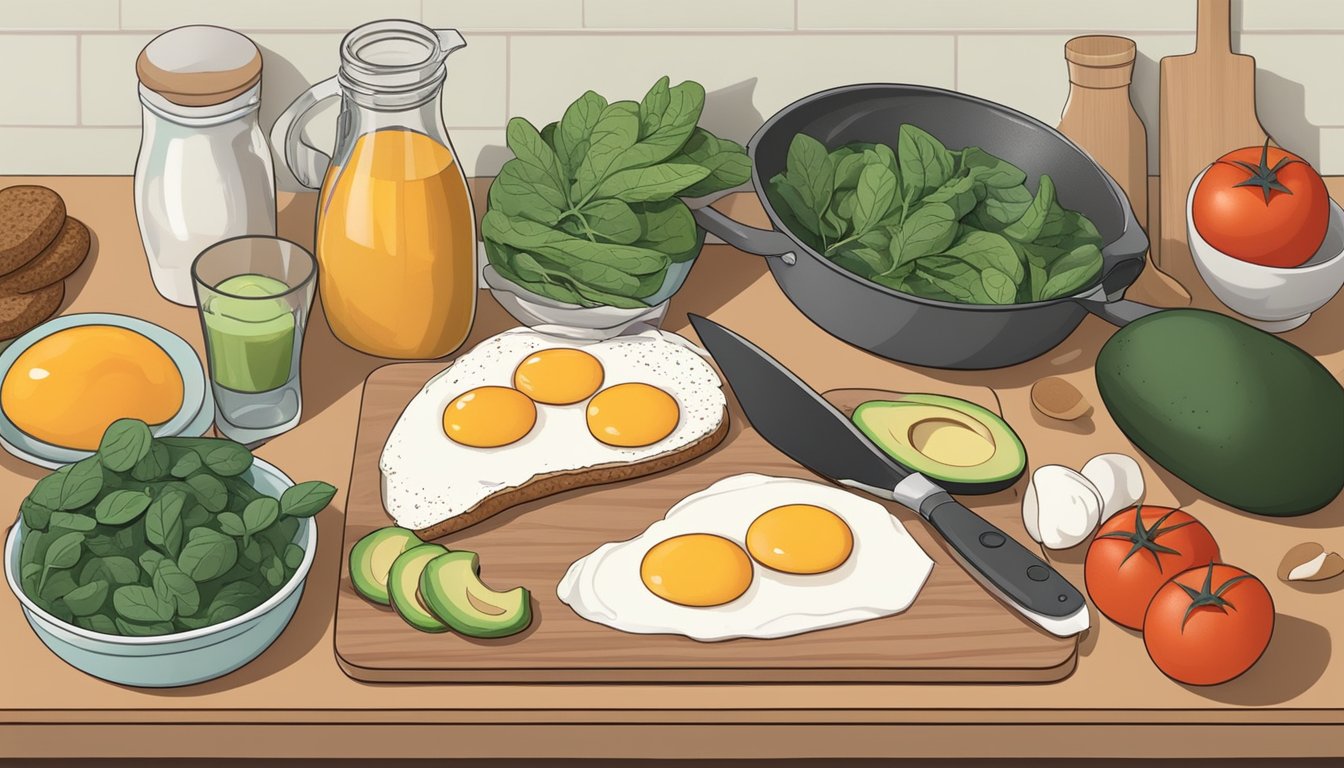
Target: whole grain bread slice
[30, 218]
[20, 312]
[551, 483]
[53, 265]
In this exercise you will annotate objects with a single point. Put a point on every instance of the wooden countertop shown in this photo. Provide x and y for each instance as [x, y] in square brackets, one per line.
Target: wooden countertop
[294, 700]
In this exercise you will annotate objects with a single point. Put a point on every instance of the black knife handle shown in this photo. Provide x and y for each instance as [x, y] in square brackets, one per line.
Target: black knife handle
[1007, 565]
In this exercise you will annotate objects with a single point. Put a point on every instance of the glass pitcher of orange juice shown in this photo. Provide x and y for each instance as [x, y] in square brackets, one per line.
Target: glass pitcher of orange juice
[396, 239]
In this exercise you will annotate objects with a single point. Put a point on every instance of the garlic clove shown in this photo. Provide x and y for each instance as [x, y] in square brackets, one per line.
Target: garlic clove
[1061, 508]
[1057, 398]
[1310, 562]
[1119, 480]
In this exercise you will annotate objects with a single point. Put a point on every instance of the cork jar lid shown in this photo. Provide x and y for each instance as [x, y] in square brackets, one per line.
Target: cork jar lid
[1100, 50]
[199, 66]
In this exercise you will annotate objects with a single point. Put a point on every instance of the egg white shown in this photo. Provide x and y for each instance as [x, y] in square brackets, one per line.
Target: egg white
[882, 576]
[428, 478]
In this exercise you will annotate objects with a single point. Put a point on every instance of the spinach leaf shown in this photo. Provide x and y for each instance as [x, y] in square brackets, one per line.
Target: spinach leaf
[134, 602]
[928, 230]
[80, 484]
[207, 555]
[999, 287]
[260, 514]
[1071, 272]
[87, 599]
[62, 553]
[610, 220]
[154, 464]
[121, 507]
[71, 521]
[873, 197]
[616, 131]
[644, 185]
[60, 584]
[653, 106]
[305, 499]
[172, 585]
[232, 524]
[186, 464]
[668, 227]
[990, 170]
[958, 193]
[1027, 228]
[209, 491]
[35, 516]
[725, 160]
[532, 151]
[924, 162]
[527, 192]
[575, 129]
[163, 522]
[114, 569]
[125, 442]
[273, 570]
[810, 174]
[143, 629]
[98, 622]
[531, 236]
[293, 556]
[987, 250]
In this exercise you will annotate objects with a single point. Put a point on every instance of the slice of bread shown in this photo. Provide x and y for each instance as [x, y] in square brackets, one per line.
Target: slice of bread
[20, 312]
[53, 265]
[551, 483]
[30, 218]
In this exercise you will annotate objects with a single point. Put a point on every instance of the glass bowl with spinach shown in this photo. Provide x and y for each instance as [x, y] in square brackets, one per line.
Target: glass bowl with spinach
[959, 226]
[590, 211]
[163, 561]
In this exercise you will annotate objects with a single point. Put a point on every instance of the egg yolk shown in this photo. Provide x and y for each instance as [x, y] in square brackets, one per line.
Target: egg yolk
[488, 417]
[800, 538]
[68, 387]
[558, 376]
[632, 415]
[697, 569]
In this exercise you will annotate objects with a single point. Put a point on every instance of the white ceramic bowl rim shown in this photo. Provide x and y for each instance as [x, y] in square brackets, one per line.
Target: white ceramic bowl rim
[285, 591]
[1305, 268]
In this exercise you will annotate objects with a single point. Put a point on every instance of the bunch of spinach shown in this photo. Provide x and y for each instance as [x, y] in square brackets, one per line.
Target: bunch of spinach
[957, 226]
[151, 536]
[588, 211]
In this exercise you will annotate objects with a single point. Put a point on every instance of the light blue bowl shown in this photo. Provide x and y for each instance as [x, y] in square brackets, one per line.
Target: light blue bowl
[194, 418]
[183, 658]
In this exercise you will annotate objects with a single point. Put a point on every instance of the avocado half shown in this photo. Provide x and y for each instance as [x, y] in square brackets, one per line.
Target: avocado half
[961, 446]
[451, 586]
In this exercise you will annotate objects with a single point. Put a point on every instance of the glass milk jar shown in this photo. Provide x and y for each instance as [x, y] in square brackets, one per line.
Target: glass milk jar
[204, 171]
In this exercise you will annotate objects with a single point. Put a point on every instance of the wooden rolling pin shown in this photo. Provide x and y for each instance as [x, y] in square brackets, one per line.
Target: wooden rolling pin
[1100, 118]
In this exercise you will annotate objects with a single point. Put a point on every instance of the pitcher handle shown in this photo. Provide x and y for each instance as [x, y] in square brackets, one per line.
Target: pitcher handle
[306, 162]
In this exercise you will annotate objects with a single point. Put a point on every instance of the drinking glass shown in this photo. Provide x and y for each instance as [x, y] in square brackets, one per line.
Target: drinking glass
[254, 293]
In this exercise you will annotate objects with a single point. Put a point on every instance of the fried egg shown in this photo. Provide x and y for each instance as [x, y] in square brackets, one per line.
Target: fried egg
[68, 387]
[522, 404]
[752, 556]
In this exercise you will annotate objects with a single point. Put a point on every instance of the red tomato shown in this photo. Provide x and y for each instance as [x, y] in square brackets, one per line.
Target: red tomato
[1209, 624]
[1263, 205]
[1135, 552]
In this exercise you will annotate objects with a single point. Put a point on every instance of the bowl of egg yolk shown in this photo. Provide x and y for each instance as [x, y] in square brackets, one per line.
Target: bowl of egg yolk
[65, 381]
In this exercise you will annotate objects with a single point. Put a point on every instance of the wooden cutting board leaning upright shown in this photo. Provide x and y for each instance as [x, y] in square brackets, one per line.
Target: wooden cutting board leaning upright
[1207, 109]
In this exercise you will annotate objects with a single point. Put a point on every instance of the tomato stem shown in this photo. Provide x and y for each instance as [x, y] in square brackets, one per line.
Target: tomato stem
[1206, 595]
[1145, 539]
[1262, 176]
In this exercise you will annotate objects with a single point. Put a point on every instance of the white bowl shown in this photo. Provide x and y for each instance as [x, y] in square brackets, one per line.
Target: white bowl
[193, 418]
[182, 658]
[1275, 299]
[573, 321]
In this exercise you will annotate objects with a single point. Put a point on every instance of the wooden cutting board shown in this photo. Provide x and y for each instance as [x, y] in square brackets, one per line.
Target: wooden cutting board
[1207, 109]
[954, 632]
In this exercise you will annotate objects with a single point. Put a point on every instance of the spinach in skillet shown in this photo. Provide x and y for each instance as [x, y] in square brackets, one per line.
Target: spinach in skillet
[588, 211]
[157, 535]
[958, 226]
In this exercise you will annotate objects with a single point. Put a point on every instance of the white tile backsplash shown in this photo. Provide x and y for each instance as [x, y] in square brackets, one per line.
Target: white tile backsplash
[72, 61]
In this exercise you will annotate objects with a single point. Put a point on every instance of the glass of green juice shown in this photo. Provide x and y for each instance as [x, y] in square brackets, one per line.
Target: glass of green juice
[254, 294]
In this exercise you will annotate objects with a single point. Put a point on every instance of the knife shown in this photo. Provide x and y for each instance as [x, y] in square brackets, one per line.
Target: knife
[805, 427]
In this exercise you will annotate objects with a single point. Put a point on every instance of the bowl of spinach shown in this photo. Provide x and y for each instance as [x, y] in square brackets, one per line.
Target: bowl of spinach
[588, 223]
[163, 562]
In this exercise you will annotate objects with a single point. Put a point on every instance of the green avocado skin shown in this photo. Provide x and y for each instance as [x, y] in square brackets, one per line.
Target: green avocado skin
[1244, 417]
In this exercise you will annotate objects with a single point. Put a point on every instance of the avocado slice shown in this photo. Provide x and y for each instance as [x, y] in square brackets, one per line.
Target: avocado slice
[372, 557]
[403, 585]
[451, 587]
[957, 443]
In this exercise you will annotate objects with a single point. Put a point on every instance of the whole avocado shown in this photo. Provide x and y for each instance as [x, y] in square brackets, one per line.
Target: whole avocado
[1242, 416]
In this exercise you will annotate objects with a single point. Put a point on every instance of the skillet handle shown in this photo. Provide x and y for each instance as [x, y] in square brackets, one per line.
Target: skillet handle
[762, 242]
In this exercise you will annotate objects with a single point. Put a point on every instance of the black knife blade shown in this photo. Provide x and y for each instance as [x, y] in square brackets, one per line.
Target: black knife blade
[793, 418]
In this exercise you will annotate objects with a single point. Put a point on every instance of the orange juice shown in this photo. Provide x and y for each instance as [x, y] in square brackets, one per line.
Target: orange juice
[396, 244]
